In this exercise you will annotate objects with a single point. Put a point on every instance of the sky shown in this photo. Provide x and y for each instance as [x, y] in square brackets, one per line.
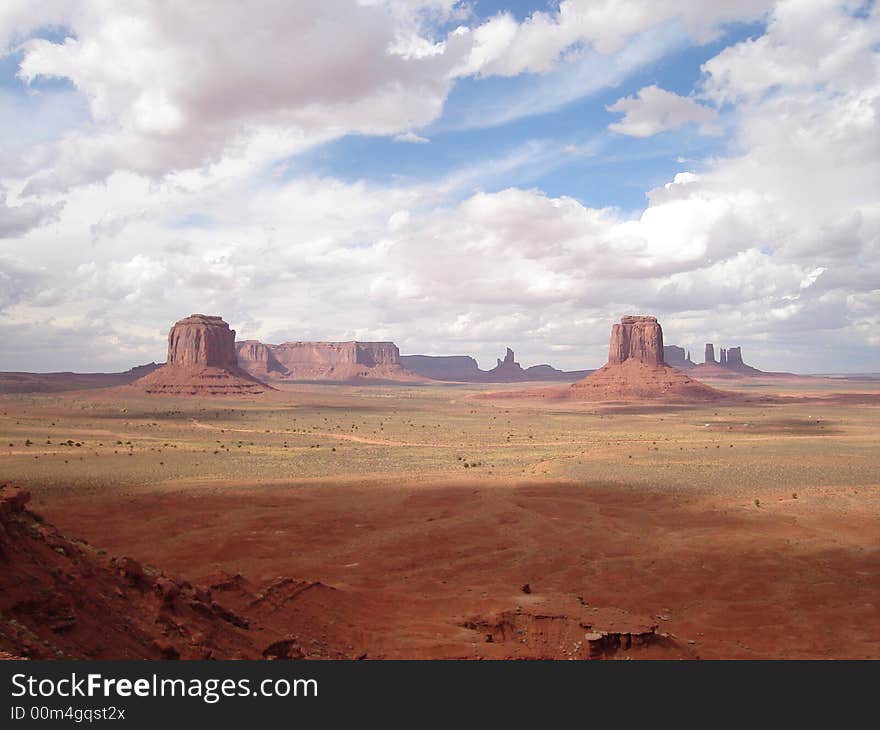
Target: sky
[457, 177]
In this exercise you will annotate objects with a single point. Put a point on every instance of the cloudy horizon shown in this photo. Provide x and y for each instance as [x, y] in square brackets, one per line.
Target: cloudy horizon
[457, 177]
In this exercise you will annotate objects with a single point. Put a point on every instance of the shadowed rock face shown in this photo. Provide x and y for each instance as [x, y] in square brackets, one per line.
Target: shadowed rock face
[202, 341]
[734, 357]
[636, 338]
[258, 359]
[709, 356]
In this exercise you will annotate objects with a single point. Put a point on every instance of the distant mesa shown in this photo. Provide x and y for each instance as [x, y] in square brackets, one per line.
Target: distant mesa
[334, 361]
[201, 361]
[456, 368]
[637, 370]
[464, 369]
[677, 357]
[19, 382]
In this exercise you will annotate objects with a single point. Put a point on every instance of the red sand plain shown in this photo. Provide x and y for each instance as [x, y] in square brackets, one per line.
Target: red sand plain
[439, 570]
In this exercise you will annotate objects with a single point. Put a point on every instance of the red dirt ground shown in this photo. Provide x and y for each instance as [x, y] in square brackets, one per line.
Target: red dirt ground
[439, 571]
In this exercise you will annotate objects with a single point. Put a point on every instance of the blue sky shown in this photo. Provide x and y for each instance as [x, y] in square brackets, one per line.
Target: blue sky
[457, 177]
[606, 169]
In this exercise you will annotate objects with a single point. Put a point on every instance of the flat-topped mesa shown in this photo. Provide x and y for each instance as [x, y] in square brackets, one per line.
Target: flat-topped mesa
[258, 359]
[677, 357]
[636, 338]
[293, 354]
[336, 361]
[201, 341]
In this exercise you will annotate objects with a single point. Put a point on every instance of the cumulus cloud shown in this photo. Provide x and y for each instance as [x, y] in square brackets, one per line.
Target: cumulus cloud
[412, 138]
[168, 91]
[653, 110]
[504, 47]
[18, 219]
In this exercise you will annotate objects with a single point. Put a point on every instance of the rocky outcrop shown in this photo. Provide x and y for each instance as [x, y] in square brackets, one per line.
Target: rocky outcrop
[464, 369]
[201, 341]
[636, 369]
[729, 364]
[335, 361]
[460, 368]
[677, 357]
[548, 372]
[636, 338]
[298, 355]
[258, 359]
[507, 369]
[202, 361]
[709, 355]
[62, 599]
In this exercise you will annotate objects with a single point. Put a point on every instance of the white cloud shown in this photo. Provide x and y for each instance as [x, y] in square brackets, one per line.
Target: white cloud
[177, 86]
[652, 110]
[18, 219]
[169, 91]
[412, 138]
[503, 47]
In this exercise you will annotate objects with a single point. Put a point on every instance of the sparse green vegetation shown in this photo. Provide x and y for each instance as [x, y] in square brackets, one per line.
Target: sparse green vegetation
[436, 432]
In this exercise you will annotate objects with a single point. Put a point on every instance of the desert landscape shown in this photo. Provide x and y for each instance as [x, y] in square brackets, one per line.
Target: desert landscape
[636, 513]
[439, 330]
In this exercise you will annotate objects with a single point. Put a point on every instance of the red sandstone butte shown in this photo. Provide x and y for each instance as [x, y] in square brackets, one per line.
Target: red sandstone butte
[639, 338]
[201, 361]
[636, 369]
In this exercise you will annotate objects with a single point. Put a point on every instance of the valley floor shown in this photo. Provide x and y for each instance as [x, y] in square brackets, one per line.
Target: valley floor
[422, 521]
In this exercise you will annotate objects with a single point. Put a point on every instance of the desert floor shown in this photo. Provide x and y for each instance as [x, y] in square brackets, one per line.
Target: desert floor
[416, 515]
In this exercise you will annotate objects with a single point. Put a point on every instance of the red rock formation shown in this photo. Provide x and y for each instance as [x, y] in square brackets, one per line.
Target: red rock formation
[299, 354]
[638, 338]
[201, 341]
[729, 365]
[337, 361]
[61, 598]
[461, 368]
[677, 357]
[259, 359]
[201, 361]
[464, 369]
[507, 369]
[636, 369]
